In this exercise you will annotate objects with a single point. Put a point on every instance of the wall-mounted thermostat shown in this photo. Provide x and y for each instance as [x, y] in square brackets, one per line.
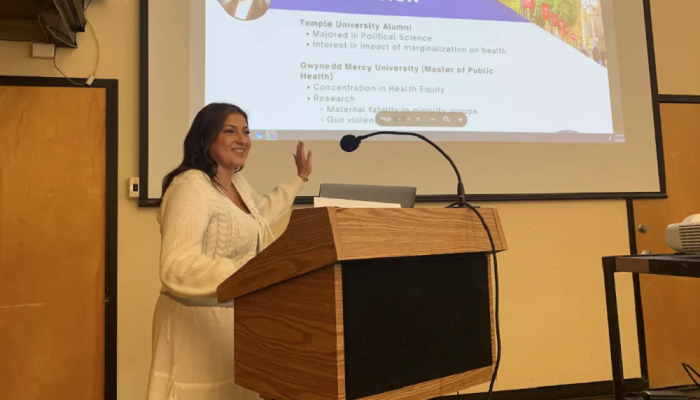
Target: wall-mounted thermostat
[134, 188]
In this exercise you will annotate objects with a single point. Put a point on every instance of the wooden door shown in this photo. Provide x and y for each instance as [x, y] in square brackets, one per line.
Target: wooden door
[671, 305]
[52, 243]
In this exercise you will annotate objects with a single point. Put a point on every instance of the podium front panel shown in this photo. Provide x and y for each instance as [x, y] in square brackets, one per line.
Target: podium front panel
[413, 320]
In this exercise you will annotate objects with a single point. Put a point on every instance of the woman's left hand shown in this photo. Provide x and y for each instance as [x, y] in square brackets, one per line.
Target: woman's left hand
[303, 162]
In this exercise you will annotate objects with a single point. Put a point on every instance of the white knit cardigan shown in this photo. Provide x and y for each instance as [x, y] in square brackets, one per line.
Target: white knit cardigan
[205, 237]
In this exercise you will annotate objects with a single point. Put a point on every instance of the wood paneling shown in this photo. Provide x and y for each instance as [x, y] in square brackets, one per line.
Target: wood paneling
[677, 54]
[319, 237]
[492, 304]
[437, 387]
[671, 324]
[339, 330]
[289, 338]
[52, 243]
[380, 233]
[671, 305]
[289, 343]
[305, 246]
[681, 134]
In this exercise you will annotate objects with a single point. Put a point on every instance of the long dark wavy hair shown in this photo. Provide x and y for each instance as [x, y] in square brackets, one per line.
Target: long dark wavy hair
[204, 131]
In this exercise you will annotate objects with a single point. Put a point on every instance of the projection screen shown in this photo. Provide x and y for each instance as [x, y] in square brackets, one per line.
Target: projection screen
[527, 96]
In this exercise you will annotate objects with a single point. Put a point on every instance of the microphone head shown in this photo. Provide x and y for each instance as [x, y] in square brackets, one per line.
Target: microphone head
[349, 143]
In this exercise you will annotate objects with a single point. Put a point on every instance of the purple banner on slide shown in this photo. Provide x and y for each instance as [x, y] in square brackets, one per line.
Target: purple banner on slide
[485, 10]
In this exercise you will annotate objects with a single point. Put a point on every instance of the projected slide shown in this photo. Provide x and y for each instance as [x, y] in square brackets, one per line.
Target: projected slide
[520, 70]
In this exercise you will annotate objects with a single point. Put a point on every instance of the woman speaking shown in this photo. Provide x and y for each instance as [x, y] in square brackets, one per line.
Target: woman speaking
[212, 223]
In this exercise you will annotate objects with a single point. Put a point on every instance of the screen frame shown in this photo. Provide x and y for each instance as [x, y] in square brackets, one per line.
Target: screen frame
[657, 99]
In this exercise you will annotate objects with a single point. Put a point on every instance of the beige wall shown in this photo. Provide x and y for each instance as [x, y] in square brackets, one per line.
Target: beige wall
[553, 312]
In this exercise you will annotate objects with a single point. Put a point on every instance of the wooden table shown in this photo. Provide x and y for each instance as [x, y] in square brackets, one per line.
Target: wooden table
[673, 265]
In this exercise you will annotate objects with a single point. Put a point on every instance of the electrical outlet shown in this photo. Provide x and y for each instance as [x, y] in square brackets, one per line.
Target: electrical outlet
[134, 188]
[43, 50]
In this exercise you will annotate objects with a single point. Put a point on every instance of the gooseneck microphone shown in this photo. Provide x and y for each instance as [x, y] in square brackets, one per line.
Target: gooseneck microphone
[350, 143]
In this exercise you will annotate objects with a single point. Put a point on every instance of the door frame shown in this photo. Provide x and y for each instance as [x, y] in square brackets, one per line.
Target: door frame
[111, 87]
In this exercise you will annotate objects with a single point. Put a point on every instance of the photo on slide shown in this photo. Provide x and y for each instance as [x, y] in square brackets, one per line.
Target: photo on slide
[578, 23]
[246, 10]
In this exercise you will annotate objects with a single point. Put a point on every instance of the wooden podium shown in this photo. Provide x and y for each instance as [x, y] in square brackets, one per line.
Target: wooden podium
[367, 304]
